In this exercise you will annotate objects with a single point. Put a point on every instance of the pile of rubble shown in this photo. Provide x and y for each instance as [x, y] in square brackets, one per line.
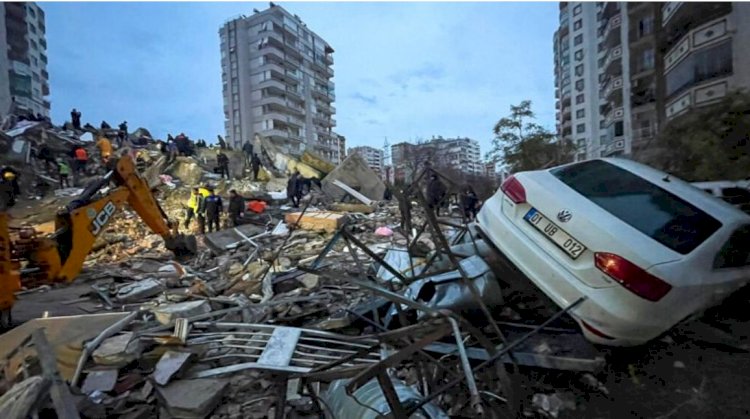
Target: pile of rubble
[346, 307]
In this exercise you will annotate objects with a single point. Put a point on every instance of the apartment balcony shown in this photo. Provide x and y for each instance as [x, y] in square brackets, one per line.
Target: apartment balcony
[615, 147]
[612, 65]
[611, 32]
[324, 120]
[273, 100]
[272, 84]
[617, 114]
[610, 9]
[272, 50]
[612, 86]
[45, 89]
[323, 94]
[328, 59]
[278, 70]
[703, 94]
[15, 10]
[47, 104]
[679, 18]
[711, 32]
[280, 134]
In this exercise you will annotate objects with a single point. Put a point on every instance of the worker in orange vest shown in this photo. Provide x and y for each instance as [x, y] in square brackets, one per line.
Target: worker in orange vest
[82, 157]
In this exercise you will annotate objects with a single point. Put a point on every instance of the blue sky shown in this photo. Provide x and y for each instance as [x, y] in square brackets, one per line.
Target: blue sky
[404, 71]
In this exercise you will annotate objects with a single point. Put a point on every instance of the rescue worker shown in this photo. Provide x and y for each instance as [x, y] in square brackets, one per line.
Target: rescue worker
[247, 148]
[404, 207]
[436, 191]
[75, 118]
[105, 148]
[7, 199]
[82, 158]
[236, 208]
[223, 161]
[10, 177]
[214, 206]
[140, 161]
[63, 170]
[255, 162]
[222, 143]
[469, 201]
[192, 206]
[105, 125]
[45, 155]
[292, 189]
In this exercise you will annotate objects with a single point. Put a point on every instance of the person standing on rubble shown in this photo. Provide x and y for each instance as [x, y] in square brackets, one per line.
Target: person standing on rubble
[222, 143]
[105, 148]
[11, 176]
[469, 201]
[193, 204]
[255, 163]
[223, 162]
[75, 118]
[105, 125]
[63, 170]
[82, 158]
[293, 189]
[214, 207]
[45, 155]
[247, 148]
[123, 130]
[236, 208]
[436, 192]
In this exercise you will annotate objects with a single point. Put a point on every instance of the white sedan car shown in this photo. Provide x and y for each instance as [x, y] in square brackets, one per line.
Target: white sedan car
[647, 249]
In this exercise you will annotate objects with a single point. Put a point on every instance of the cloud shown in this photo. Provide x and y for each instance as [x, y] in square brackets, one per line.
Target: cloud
[370, 100]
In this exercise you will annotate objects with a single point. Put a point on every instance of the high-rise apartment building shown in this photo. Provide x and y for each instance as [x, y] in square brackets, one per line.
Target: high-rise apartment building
[461, 154]
[277, 82]
[373, 156]
[654, 61]
[576, 76]
[23, 65]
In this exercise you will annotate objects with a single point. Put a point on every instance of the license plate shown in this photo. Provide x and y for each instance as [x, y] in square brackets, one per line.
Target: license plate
[554, 233]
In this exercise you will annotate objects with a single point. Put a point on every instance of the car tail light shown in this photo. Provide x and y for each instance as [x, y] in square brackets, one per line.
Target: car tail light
[632, 277]
[514, 190]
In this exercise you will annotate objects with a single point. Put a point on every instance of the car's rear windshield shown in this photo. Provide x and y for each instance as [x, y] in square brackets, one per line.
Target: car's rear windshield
[648, 208]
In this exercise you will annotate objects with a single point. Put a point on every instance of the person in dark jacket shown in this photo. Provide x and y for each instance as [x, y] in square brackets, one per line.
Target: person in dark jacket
[236, 208]
[105, 125]
[46, 156]
[293, 189]
[255, 162]
[122, 133]
[75, 118]
[214, 208]
[223, 161]
[247, 148]
[469, 202]
[10, 177]
[222, 143]
[436, 191]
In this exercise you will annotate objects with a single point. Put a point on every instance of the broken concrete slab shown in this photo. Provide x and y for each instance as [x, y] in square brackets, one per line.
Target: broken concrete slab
[117, 350]
[18, 402]
[169, 365]
[346, 207]
[316, 162]
[355, 173]
[167, 314]
[100, 380]
[316, 220]
[220, 241]
[192, 399]
[139, 291]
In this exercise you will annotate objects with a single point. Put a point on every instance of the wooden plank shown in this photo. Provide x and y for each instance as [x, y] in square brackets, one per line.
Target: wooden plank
[280, 347]
[316, 220]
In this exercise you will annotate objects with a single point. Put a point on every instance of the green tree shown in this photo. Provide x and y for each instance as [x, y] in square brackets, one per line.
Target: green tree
[707, 143]
[522, 144]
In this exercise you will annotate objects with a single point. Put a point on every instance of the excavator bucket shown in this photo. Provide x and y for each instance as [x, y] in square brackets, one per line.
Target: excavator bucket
[183, 246]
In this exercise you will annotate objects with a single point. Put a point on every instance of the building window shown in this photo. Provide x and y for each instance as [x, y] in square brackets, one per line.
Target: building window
[581, 143]
[706, 64]
[579, 70]
[577, 10]
[601, 124]
[647, 61]
[580, 128]
[578, 24]
[31, 11]
[34, 61]
[33, 45]
[619, 129]
[579, 85]
[32, 28]
[579, 99]
[645, 26]
[35, 76]
[580, 113]
[579, 55]
[578, 40]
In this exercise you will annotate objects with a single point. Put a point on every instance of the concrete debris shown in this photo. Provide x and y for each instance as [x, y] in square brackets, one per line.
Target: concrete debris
[170, 364]
[139, 291]
[356, 174]
[167, 314]
[100, 380]
[316, 220]
[192, 399]
[117, 350]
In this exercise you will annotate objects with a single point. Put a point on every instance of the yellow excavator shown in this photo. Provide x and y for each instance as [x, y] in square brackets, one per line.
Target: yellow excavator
[28, 258]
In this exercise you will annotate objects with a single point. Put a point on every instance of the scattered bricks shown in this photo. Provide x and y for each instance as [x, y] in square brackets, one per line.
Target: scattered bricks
[316, 220]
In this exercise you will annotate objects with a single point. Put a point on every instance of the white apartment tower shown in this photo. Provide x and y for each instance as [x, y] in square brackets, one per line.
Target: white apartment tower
[576, 77]
[373, 156]
[23, 65]
[277, 83]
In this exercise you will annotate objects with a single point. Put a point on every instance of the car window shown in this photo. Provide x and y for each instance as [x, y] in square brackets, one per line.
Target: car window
[646, 207]
[736, 251]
